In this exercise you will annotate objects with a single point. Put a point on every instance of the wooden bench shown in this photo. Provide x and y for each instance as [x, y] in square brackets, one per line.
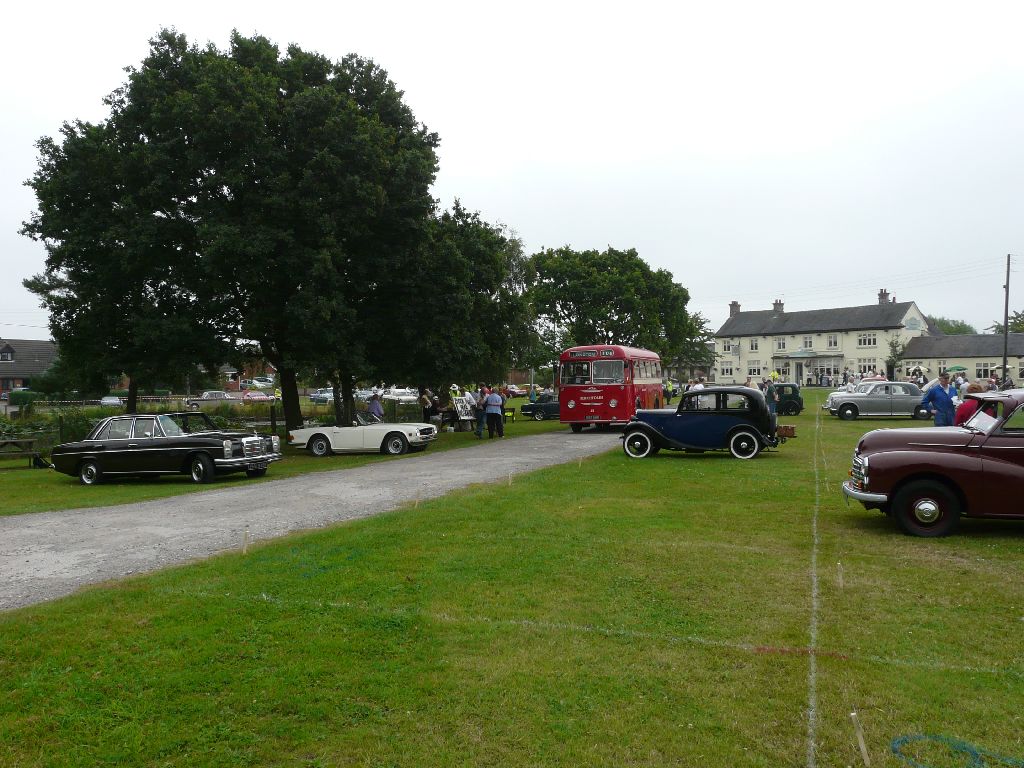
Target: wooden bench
[19, 447]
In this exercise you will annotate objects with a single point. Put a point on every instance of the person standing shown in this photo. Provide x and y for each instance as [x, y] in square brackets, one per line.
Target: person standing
[940, 400]
[375, 408]
[771, 396]
[967, 408]
[492, 406]
[481, 413]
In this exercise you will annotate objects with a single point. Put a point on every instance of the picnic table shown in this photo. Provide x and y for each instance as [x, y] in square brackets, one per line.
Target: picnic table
[19, 446]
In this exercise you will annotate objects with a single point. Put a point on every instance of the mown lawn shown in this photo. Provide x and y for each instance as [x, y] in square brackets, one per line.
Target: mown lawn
[614, 612]
[33, 490]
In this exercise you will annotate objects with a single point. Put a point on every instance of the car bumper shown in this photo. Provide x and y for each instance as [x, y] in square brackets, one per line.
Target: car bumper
[864, 496]
[247, 462]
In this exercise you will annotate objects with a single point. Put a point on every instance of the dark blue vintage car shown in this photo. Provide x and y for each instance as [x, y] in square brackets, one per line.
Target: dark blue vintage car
[735, 419]
[546, 407]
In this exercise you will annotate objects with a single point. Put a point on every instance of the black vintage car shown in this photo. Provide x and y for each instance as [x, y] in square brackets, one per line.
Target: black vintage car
[714, 418]
[167, 443]
[546, 407]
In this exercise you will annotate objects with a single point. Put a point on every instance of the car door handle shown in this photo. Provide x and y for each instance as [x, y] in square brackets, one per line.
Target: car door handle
[133, 445]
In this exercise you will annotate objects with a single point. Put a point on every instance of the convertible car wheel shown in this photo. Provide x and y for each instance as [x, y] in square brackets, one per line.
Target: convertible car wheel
[89, 473]
[926, 508]
[319, 445]
[744, 445]
[201, 468]
[395, 444]
[638, 445]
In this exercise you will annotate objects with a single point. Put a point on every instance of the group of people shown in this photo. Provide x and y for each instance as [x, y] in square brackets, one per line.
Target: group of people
[485, 402]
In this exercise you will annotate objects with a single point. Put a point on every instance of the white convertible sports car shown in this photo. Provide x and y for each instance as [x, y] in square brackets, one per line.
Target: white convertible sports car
[367, 435]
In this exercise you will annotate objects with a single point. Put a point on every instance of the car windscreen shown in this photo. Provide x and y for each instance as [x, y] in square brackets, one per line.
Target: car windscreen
[190, 423]
[985, 418]
[170, 427]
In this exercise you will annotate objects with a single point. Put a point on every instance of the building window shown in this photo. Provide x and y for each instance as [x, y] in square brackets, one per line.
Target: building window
[867, 339]
[753, 345]
[808, 342]
[6, 357]
[727, 346]
[727, 370]
[866, 364]
[985, 370]
[833, 341]
[780, 344]
[941, 365]
[754, 368]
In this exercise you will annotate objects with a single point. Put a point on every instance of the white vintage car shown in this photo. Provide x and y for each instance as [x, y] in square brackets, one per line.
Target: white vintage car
[367, 435]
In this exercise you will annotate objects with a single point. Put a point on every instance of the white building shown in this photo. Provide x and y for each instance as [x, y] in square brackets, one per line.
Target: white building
[805, 345]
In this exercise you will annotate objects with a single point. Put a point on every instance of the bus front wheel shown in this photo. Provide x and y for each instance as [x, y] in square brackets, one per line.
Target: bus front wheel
[576, 428]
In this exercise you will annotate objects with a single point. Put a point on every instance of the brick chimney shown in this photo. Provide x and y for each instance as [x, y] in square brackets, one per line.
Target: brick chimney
[777, 305]
[883, 296]
[734, 308]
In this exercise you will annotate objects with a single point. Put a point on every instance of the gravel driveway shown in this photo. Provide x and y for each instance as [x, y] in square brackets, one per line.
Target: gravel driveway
[50, 554]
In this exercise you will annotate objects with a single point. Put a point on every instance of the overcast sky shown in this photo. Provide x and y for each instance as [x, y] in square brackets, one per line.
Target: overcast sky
[810, 152]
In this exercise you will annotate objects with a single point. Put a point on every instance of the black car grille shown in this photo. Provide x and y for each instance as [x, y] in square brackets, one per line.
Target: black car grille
[427, 431]
[252, 446]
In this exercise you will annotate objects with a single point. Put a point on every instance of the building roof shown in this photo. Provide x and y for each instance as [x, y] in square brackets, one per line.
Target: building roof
[770, 322]
[31, 357]
[986, 345]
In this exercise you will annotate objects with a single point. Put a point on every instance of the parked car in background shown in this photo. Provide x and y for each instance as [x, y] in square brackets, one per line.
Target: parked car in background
[210, 397]
[791, 402]
[262, 382]
[516, 391]
[322, 396]
[110, 401]
[926, 479]
[167, 443]
[366, 435]
[257, 396]
[877, 398]
[714, 418]
[546, 407]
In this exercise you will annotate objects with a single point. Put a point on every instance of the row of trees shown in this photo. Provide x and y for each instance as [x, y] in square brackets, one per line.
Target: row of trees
[248, 203]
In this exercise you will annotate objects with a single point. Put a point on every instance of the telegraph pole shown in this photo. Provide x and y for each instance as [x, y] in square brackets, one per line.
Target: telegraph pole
[1006, 322]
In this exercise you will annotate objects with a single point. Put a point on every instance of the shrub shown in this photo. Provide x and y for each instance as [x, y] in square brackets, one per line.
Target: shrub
[75, 423]
[25, 398]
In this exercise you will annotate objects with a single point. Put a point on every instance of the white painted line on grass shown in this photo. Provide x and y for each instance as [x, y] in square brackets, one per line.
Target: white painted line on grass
[812, 656]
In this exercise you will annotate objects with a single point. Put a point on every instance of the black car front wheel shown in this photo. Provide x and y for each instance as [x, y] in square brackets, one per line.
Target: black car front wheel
[848, 413]
[201, 468]
[926, 508]
[89, 473]
[538, 415]
[744, 445]
[638, 445]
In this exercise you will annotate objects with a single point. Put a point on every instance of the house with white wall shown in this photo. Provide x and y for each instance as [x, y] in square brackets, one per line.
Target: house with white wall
[803, 345]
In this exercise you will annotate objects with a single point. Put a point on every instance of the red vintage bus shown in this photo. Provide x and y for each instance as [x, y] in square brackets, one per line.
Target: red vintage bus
[605, 384]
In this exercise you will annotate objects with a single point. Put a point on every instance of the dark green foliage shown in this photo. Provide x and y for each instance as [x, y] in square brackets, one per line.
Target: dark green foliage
[24, 398]
[74, 423]
[612, 297]
[951, 327]
[1016, 324]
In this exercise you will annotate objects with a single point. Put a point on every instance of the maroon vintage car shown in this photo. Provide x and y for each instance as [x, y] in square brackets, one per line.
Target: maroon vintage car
[928, 478]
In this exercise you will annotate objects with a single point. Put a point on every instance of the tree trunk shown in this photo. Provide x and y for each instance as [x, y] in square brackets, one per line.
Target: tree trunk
[347, 395]
[133, 396]
[339, 411]
[289, 398]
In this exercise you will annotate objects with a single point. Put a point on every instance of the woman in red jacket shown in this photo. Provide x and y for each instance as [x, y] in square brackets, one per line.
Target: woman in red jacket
[966, 409]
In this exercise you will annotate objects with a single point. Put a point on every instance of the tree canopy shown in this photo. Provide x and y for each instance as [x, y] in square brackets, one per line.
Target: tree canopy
[951, 327]
[612, 297]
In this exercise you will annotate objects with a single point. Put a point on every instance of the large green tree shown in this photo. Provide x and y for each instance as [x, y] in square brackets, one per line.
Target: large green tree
[612, 297]
[277, 191]
[951, 327]
[1016, 324]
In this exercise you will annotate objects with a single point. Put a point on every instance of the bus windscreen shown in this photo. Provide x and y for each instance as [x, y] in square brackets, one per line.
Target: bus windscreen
[576, 373]
[608, 372]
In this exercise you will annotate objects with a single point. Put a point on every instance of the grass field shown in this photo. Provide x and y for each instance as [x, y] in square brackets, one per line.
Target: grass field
[688, 610]
[26, 490]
